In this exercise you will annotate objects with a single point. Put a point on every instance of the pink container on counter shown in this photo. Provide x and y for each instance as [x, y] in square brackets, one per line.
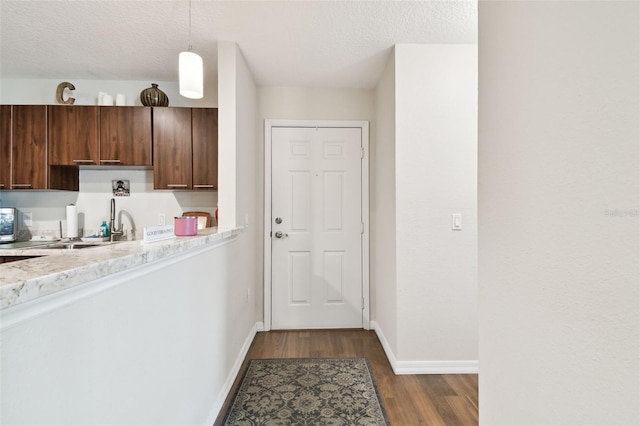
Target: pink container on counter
[184, 226]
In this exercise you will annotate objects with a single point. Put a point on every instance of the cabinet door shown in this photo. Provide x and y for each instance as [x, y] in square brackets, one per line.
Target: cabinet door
[29, 147]
[172, 154]
[125, 135]
[205, 148]
[5, 146]
[73, 135]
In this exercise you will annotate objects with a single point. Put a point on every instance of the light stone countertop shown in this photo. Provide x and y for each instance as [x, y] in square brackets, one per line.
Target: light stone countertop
[60, 269]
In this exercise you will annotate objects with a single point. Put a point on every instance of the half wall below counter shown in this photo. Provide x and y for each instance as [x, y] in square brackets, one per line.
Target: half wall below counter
[127, 334]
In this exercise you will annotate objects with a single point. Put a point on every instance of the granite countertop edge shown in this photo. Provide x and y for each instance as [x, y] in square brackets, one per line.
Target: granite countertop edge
[58, 270]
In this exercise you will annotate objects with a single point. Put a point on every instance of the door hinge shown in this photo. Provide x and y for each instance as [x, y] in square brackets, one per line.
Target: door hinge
[362, 152]
[362, 228]
[362, 303]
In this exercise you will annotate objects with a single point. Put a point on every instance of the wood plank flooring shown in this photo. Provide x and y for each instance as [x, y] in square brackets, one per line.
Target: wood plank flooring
[409, 400]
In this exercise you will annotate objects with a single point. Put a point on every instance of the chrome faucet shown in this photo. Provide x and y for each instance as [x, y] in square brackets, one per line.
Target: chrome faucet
[113, 232]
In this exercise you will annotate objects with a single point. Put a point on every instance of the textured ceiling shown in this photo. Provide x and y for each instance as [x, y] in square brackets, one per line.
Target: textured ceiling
[285, 43]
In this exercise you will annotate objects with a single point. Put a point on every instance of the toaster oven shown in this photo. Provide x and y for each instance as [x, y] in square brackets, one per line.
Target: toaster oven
[8, 224]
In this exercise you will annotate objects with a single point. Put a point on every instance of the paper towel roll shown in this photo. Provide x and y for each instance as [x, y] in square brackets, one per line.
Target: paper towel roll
[72, 221]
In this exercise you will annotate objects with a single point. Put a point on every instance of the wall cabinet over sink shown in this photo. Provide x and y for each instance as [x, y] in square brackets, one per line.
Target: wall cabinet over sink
[91, 135]
[73, 135]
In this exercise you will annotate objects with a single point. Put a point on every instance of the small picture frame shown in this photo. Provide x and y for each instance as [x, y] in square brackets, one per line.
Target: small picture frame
[120, 188]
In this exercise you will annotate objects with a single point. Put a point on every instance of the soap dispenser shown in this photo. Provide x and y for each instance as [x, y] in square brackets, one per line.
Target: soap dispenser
[104, 229]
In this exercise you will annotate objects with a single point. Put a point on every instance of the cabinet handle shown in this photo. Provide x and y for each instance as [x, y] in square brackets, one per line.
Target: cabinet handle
[177, 185]
[21, 185]
[83, 161]
[110, 161]
[204, 186]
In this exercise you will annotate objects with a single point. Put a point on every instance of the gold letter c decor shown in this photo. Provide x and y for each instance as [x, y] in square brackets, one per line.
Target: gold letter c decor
[61, 87]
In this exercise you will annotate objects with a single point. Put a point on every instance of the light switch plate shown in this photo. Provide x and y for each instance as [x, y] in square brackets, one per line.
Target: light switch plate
[456, 221]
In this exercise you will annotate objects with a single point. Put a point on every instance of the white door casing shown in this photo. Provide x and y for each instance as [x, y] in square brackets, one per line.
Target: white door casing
[316, 258]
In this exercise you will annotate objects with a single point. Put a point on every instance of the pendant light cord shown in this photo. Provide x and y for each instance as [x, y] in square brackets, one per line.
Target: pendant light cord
[190, 26]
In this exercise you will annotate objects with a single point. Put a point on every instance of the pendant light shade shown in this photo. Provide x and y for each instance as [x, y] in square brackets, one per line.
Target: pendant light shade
[191, 77]
[190, 70]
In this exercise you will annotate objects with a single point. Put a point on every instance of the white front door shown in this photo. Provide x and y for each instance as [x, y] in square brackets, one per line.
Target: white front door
[316, 228]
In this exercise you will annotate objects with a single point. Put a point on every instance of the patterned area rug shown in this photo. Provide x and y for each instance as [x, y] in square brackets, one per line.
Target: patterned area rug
[307, 391]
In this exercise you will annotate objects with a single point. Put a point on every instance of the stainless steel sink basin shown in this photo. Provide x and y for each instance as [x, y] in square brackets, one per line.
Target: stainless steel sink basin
[71, 246]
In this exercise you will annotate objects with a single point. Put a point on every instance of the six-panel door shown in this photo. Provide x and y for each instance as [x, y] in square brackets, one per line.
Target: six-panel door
[316, 228]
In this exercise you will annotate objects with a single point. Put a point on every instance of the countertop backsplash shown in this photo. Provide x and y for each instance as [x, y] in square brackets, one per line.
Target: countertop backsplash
[142, 208]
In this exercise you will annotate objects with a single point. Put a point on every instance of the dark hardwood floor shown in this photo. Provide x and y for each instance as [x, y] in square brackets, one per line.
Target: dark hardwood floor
[409, 400]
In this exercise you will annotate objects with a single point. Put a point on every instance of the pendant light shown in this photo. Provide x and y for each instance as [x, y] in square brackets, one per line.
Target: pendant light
[190, 70]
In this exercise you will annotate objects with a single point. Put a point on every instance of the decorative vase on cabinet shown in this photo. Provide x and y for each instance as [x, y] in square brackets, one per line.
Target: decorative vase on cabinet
[152, 96]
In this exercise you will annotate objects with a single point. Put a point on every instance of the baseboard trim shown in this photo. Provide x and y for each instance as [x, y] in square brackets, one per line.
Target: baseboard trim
[231, 378]
[385, 345]
[424, 367]
[437, 367]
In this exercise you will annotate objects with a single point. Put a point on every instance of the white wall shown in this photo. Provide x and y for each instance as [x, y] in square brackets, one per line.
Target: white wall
[227, 127]
[249, 187]
[434, 152]
[156, 345]
[248, 147]
[558, 204]
[240, 183]
[308, 103]
[436, 155]
[383, 209]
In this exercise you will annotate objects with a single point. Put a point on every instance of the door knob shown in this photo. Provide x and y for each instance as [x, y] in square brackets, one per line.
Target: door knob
[281, 235]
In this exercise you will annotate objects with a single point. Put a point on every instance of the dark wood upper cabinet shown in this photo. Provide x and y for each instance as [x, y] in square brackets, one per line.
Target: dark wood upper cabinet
[172, 153]
[125, 136]
[73, 135]
[5, 146]
[29, 147]
[41, 146]
[205, 148]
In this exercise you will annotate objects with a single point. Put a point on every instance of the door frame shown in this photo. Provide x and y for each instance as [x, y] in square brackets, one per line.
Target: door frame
[364, 204]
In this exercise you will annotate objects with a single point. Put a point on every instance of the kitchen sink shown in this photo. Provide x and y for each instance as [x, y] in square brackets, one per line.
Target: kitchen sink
[71, 246]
